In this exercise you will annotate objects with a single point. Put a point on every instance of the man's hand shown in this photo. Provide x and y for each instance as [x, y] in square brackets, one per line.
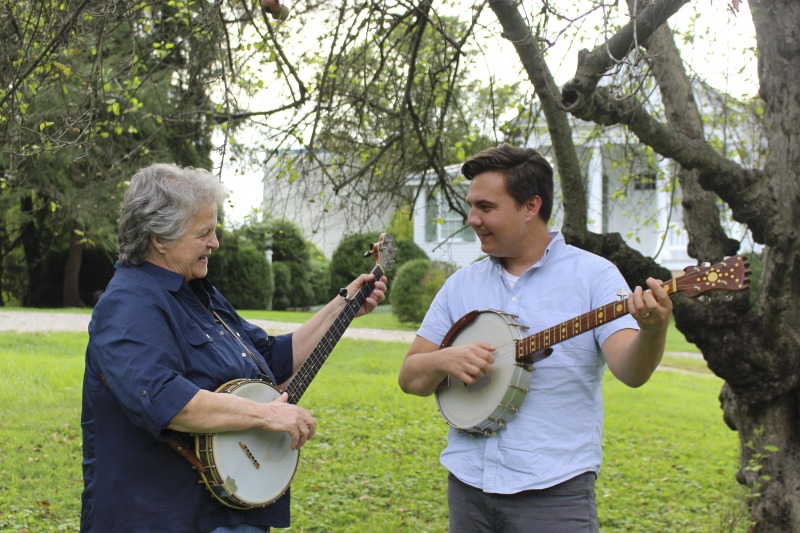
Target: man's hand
[468, 362]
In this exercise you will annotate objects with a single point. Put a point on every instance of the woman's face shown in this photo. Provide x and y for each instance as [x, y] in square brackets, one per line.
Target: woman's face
[189, 254]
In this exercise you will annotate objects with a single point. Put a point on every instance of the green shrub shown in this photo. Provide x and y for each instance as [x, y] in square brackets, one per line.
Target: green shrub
[406, 251]
[298, 287]
[348, 261]
[290, 247]
[283, 278]
[241, 273]
[401, 227]
[415, 286]
[320, 277]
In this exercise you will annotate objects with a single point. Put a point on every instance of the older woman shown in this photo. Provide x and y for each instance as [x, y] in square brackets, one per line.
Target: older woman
[162, 339]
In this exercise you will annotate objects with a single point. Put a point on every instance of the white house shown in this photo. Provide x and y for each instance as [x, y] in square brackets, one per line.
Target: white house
[630, 191]
[297, 190]
[626, 194]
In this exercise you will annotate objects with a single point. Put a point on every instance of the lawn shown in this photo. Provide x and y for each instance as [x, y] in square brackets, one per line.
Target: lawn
[373, 465]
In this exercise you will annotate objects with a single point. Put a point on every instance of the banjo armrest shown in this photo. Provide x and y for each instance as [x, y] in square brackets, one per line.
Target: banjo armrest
[458, 326]
[535, 357]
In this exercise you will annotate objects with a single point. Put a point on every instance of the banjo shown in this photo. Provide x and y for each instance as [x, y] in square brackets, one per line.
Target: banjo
[253, 468]
[487, 405]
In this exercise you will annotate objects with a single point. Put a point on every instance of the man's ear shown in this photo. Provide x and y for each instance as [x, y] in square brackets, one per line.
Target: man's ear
[532, 206]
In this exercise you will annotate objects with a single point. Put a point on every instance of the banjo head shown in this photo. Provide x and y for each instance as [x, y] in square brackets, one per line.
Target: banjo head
[484, 406]
[248, 468]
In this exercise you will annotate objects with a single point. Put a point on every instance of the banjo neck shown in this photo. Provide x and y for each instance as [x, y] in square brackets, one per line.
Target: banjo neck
[731, 275]
[308, 370]
[566, 330]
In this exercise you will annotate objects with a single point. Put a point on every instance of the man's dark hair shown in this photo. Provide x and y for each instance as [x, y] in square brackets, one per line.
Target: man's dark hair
[526, 172]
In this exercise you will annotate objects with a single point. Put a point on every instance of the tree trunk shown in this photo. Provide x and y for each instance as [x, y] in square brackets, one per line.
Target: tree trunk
[71, 289]
[763, 402]
[32, 248]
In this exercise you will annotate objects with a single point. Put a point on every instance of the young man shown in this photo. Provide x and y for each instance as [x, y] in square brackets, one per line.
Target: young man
[538, 472]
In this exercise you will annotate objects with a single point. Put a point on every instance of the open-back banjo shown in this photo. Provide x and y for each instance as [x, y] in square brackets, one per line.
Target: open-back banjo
[253, 468]
[485, 406]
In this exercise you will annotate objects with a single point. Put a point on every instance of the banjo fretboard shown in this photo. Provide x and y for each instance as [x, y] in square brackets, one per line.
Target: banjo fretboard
[308, 370]
[731, 275]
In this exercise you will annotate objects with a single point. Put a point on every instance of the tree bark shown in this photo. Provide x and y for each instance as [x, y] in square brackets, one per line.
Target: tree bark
[72, 268]
[32, 248]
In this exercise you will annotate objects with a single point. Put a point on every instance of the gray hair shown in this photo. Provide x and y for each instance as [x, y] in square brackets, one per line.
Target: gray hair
[161, 201]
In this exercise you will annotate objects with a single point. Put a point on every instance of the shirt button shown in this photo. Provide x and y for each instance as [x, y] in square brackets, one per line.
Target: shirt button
[244, 354]
[143, 393]
[514, 299]
[221, 332]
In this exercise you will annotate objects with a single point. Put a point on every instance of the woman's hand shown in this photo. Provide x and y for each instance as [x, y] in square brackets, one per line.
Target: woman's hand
[377, 295]
[296, 421]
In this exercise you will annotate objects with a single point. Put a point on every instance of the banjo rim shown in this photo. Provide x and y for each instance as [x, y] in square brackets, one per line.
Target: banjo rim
[210, 475]
[489, 421]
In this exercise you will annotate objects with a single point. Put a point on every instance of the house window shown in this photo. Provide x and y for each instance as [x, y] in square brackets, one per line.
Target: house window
[645, 181]
[442, 222]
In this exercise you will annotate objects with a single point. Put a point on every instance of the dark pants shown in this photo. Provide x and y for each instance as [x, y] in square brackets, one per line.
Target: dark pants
[568, 507]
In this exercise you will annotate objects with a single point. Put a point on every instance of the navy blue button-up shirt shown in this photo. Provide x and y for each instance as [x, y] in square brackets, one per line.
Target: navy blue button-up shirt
[153, 344]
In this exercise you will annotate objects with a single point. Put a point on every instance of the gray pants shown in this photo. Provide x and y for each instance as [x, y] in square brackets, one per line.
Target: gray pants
[568, 507]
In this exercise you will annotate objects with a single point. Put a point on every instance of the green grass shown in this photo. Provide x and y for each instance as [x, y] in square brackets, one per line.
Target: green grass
[381, 318]
[373, 465]
[40, 437]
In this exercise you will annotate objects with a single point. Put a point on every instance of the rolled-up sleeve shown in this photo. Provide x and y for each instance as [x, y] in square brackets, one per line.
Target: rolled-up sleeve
[139, 357]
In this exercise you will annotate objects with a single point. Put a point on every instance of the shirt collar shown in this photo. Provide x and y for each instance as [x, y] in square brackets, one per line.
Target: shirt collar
[166, 279]
[557, 243]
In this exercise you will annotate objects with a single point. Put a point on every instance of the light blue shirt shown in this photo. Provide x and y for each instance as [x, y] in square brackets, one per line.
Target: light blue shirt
[557, 433]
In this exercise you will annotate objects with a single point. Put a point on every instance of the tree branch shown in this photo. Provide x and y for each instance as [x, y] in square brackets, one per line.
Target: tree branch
[592, 65]
[56, 38]
[531, 54]
[744, 190]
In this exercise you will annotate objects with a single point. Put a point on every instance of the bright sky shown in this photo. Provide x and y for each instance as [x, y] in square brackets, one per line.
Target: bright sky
[721, 51]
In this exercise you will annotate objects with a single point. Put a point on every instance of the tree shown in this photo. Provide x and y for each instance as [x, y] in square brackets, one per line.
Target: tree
[94, 90]
[753, 348]
[392, 96]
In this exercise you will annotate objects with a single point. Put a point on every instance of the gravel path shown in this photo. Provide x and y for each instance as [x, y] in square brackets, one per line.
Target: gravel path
[27, 321]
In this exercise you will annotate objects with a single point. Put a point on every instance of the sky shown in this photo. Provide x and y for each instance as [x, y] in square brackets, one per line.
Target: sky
[720, 50]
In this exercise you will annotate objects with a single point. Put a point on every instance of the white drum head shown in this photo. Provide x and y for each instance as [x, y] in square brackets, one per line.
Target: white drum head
[256, 465]
[465, 406]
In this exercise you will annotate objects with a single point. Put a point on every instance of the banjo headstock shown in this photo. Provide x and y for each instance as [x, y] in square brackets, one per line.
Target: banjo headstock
[732, 274]
[384, 252]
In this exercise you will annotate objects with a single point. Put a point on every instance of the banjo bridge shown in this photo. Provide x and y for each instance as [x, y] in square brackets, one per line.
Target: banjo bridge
[249, 454]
